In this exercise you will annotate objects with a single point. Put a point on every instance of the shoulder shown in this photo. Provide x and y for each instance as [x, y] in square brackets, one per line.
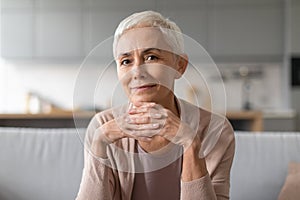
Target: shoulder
[215, 130]
[210, 121]
[204, 121]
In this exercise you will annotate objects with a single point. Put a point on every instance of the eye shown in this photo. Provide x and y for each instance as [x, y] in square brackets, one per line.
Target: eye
[125, 62]
[151, 57]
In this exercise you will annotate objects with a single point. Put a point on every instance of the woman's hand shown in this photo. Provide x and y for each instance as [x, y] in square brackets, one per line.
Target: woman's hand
[148, 119]
[117, 129]
[174, 130]
[105, 135]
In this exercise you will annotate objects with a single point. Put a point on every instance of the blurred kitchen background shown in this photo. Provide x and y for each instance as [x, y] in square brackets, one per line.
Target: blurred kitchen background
[254, 43]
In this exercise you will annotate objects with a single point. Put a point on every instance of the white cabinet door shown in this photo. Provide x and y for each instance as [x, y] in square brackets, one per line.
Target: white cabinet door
[234, 29]
[295, 26]
[190, 15]
[58, 4]
[101, 18]
[246, 31]
[16, 34]
[58, 34]
[16, 4]
[100, 26]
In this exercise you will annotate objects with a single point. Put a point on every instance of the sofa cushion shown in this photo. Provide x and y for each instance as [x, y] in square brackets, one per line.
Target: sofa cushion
[40, 163]
[261, 162]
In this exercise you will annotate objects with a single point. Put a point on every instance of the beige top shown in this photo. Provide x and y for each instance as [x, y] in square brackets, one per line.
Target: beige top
[103, 182]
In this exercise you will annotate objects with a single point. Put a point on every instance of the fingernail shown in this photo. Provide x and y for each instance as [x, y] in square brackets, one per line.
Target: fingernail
[157, 115]
[155, 125]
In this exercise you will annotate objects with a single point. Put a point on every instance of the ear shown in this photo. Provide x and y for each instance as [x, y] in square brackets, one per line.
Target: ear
[182, 63]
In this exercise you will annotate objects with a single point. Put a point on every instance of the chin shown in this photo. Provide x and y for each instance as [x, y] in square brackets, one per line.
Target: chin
[144, 98]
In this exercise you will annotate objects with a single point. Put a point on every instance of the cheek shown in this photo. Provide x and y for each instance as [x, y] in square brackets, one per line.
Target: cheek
[124, 80]
[163, 74]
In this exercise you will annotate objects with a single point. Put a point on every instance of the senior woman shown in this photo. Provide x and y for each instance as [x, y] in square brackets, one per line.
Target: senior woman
[153, 147]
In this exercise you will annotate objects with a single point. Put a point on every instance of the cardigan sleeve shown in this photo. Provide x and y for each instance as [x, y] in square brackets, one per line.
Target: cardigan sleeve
[215, 185]
[98, 181]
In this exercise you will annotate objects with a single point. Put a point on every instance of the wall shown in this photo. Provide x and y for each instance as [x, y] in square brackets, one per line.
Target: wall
[56, 82]
[233, 31]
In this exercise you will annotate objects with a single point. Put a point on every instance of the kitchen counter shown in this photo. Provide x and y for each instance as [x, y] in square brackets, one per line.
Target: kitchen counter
[58, 115]
[49, 120]
[280, 120]
[250, 120]
[241, 120]
[246, 120]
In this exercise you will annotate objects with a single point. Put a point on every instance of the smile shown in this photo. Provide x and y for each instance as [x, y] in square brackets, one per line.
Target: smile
[143, 88]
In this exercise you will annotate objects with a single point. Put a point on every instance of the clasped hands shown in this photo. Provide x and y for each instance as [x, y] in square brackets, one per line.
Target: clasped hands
[142, 122]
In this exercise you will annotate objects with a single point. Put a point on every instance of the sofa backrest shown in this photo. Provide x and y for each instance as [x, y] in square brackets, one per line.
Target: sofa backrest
[40, 164]
[46, 164]
[261, 162]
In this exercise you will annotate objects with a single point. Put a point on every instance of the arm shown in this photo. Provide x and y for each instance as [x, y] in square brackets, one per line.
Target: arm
[216, 184]
[98, 180]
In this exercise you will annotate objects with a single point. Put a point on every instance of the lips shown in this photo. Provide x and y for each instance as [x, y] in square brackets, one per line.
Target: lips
[143, 87]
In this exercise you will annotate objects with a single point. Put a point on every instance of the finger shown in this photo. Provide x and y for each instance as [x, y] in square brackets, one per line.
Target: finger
[138, 110]
[157, 114]
[143, 104]
[138, 119]
[144, 107]
[152, 112]
[138, 127]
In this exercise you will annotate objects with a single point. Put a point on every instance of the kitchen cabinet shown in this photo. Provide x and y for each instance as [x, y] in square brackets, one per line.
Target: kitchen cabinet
[101, 18]
[191, 16]
[61, 28]
[247, 30]
[17, 33]
[233, 29]
[98, 29]
[295, 28]
[58, 34]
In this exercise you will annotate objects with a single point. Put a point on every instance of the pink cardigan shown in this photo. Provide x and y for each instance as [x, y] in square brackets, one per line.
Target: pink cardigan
[101, 182]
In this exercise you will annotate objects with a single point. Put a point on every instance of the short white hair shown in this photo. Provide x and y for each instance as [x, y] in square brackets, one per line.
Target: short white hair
[151, 19]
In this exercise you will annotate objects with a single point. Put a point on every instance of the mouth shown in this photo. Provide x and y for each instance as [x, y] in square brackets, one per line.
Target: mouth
[143, 87]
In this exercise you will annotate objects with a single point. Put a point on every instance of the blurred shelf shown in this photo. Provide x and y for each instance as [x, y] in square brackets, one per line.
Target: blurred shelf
[246, 120]
[55, 115]
[50, 120]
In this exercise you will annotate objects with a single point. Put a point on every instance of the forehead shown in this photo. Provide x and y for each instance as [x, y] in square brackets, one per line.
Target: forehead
[142, 38]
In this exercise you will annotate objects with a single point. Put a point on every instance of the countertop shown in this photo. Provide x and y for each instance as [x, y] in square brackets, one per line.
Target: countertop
[59, 115]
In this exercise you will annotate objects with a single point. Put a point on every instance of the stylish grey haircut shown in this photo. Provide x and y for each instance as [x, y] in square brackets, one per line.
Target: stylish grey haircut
[171, 31]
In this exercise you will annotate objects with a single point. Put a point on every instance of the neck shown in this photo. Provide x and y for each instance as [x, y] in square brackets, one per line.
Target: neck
[171, 104]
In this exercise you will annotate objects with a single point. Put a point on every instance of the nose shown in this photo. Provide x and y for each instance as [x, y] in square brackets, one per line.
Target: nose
[138, 71]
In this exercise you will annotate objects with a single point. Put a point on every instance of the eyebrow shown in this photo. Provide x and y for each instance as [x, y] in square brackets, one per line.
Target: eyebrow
[143, 52]
[150, 49]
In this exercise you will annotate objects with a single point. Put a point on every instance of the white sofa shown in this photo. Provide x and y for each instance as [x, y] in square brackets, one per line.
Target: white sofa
[46, 164]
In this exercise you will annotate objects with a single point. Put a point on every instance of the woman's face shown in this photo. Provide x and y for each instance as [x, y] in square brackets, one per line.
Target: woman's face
[146, 65]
